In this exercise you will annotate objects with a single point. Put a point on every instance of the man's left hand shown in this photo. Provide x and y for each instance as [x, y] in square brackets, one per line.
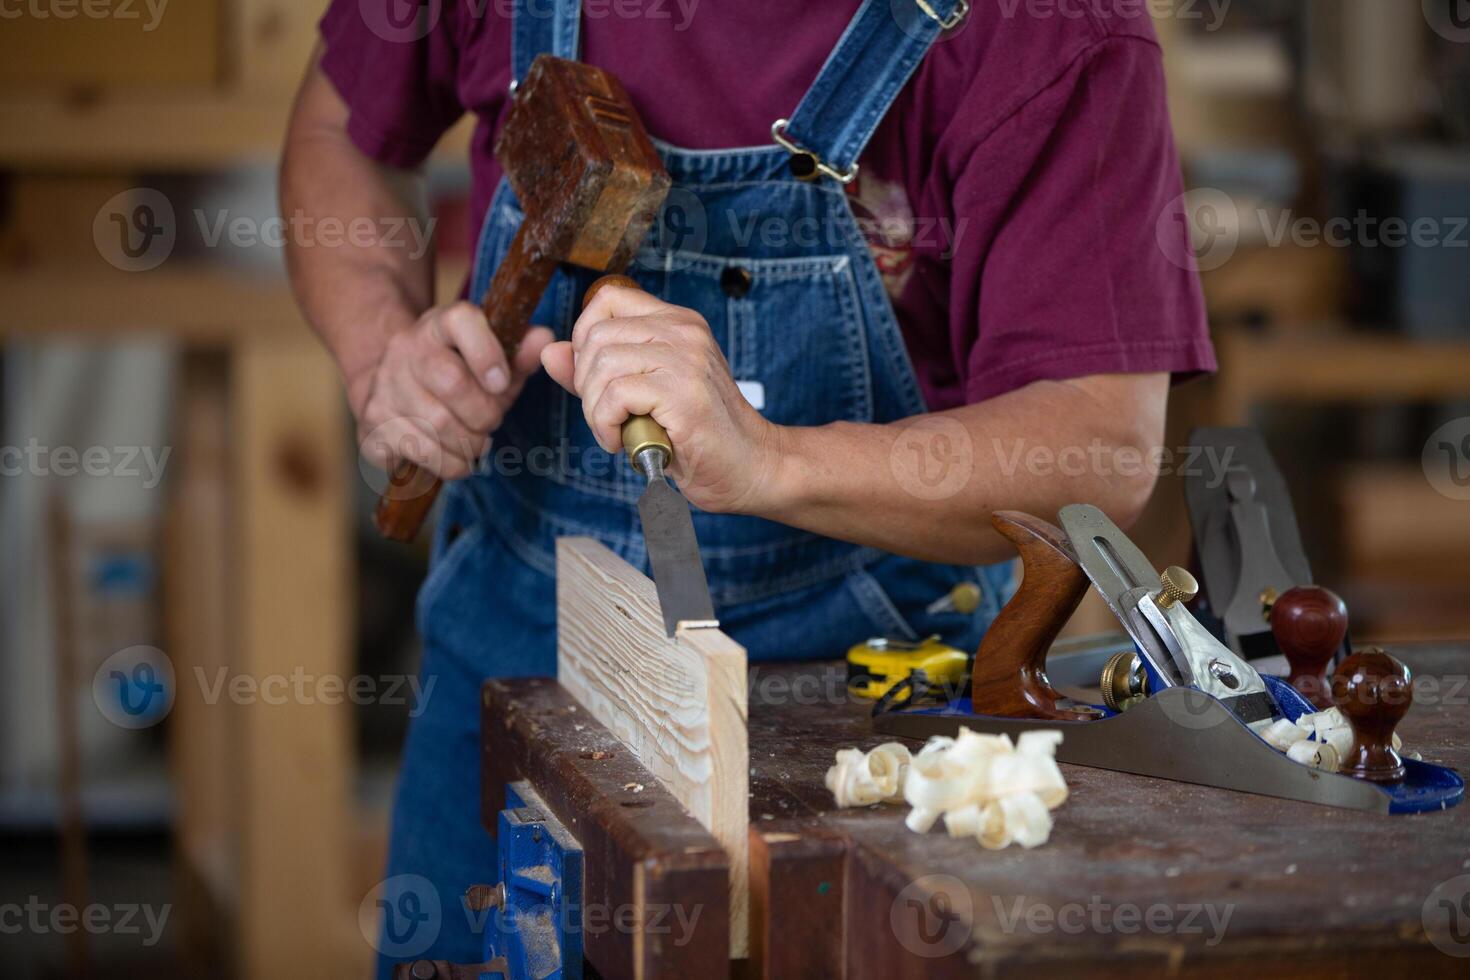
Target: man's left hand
[633, 354]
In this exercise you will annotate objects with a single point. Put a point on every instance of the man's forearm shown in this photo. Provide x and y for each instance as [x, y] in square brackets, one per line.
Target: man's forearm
[358, 293]
[926, 488]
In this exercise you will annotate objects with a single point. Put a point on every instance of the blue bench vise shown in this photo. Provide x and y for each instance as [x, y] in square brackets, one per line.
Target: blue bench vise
[533, 917]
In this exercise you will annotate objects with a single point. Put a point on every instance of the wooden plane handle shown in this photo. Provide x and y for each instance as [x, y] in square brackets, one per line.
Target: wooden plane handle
[514, 292]
[1008, 678]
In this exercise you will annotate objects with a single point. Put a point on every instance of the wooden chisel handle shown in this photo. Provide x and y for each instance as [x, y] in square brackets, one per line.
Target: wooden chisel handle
[640, 432]
[510, 301]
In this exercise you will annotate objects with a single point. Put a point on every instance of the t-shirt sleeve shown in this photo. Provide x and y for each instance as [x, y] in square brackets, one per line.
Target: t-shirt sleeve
[395, 65]
[1079, 275]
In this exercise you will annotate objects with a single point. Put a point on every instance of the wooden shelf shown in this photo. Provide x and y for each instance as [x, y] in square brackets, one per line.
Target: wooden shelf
[141, 131]
[1327, 365]
[198, 305]
[202, 306]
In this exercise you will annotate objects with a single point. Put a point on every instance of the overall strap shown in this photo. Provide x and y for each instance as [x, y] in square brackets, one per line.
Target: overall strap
[872, 61]
[543, 27]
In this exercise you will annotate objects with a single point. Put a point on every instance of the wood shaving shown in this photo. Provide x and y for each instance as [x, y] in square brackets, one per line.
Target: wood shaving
[982, 786]
[1317, 755]
[864, 778]
[1320, 740]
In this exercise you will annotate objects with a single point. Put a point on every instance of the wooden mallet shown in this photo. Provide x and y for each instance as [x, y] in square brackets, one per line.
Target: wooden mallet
[590, 182]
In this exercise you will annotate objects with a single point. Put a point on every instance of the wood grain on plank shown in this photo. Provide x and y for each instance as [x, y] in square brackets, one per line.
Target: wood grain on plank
[678, 704]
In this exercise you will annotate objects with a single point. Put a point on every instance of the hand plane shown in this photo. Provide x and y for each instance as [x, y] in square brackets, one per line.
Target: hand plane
[1258, 595]
[1180, 705]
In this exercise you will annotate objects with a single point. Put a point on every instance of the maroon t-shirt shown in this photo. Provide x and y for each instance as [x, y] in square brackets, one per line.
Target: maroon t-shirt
[1012, 195]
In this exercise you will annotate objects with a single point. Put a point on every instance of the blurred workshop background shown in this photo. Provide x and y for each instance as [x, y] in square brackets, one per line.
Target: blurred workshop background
[184, 515]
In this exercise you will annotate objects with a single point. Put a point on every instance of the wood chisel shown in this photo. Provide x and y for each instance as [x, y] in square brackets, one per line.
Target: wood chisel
[668, 527]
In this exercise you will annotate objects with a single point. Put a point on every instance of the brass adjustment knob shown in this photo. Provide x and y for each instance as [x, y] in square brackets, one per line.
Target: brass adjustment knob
[1268, 602]
[1123, 680]
[1179, 586]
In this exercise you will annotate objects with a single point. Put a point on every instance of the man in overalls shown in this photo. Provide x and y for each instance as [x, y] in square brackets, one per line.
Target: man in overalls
[987, 264]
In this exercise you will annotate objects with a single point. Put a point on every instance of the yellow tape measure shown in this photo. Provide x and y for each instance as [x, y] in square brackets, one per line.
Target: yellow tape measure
[875, 667]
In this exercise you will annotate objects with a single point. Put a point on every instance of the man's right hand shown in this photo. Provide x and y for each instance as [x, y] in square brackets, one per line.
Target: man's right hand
[440, 389]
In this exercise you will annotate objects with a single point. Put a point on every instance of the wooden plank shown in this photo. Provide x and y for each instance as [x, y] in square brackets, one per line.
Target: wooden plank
[647, 860]
[678, 704]
[297, 915]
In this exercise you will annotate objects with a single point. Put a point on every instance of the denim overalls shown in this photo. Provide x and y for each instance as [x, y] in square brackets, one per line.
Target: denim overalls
[780, 269]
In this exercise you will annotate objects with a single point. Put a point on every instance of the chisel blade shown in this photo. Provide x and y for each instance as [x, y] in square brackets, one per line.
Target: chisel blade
[678, 575]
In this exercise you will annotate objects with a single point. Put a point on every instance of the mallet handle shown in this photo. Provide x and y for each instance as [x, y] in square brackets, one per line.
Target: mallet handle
[510, 301]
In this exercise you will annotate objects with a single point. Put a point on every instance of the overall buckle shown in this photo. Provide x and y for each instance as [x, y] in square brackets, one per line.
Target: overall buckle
[955, 19]
[806, 164]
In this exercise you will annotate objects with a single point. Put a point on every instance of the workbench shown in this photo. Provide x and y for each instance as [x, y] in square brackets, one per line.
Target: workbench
[1140, 875]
